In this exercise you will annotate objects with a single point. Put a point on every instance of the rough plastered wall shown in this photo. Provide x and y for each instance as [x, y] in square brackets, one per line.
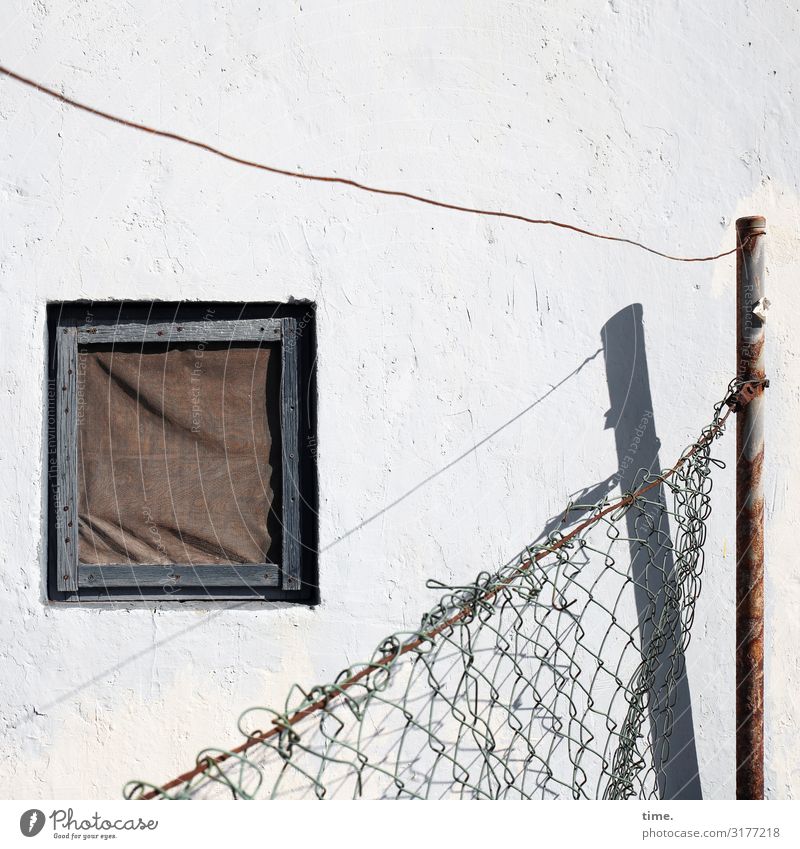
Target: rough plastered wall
[661, 121]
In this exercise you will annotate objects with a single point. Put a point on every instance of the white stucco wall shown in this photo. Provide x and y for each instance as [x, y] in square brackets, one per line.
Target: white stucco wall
[661, 121]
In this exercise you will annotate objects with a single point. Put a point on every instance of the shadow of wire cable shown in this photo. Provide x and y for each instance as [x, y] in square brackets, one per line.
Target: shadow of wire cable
[463, 455]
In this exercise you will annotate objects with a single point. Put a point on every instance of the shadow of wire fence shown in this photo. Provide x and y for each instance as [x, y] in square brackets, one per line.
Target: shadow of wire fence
[541, 681]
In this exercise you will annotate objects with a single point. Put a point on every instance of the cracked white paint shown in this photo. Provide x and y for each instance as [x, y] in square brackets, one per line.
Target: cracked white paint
[660, 121]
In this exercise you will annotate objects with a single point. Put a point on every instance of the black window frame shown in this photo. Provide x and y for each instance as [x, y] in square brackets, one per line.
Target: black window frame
[75, 326]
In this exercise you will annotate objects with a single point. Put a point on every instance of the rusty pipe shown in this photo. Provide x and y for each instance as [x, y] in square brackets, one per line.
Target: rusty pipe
[750, 237]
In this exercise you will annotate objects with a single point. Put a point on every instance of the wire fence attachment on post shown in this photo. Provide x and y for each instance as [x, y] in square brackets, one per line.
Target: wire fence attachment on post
[554, 677]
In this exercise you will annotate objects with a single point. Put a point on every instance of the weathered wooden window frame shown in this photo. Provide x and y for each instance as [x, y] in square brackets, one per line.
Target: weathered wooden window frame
[76, 581]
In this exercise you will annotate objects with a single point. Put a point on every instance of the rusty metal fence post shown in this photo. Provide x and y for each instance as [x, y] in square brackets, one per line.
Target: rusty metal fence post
[750, 234]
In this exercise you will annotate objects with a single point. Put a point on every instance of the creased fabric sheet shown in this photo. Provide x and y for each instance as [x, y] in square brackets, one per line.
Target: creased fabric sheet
[176, 454]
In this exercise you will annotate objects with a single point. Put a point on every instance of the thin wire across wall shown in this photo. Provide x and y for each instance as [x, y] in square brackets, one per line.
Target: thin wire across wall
[345, 181]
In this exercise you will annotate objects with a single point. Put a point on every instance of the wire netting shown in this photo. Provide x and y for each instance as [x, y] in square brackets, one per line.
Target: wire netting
[559, 676]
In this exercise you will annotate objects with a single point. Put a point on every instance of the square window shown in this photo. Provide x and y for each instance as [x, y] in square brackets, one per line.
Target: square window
[181, 457]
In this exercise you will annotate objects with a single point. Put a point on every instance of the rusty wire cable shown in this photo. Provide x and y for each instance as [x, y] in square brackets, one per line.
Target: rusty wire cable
[345, 181]
[557, 676]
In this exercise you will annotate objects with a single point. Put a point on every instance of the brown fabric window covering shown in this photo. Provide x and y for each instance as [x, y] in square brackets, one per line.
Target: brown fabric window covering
[178, 454]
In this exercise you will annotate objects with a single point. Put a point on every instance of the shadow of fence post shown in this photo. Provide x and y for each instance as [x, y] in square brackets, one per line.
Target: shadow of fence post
[652, 565]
